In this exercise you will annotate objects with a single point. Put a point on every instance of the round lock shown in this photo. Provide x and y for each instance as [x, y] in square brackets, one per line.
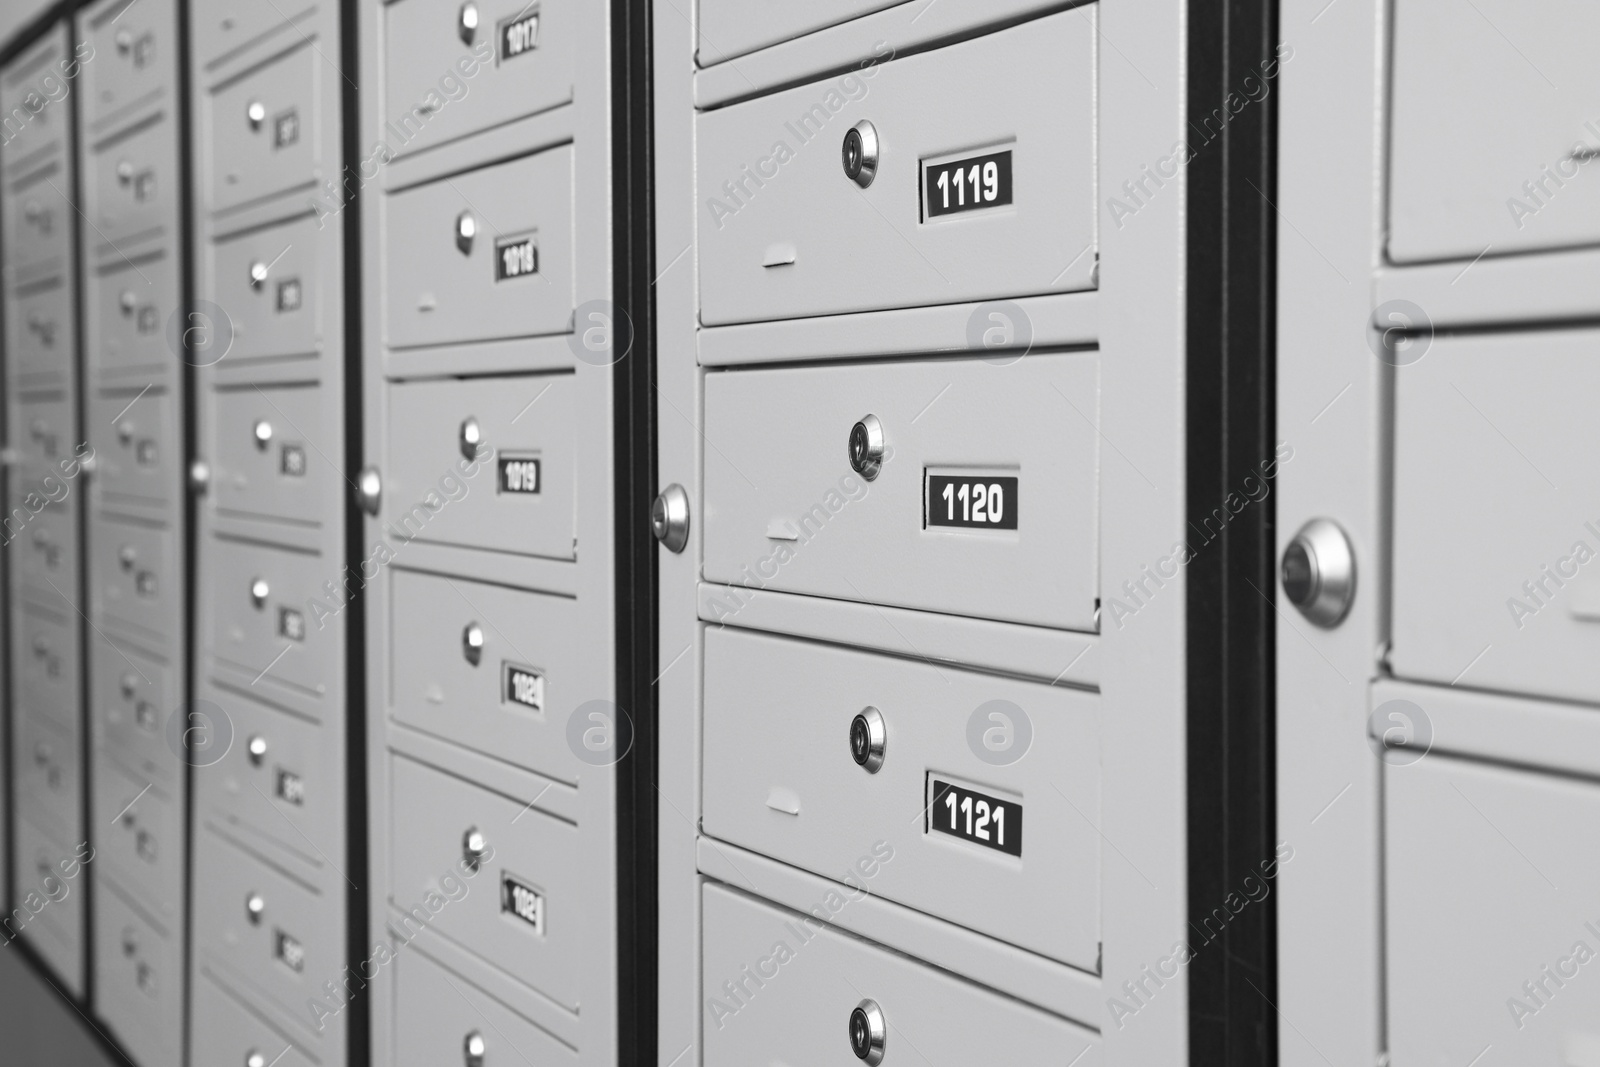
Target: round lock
[130, 941]
[1319, 572]
[466, 230]
[127, 556]
[263, 433]
[127, 301]
[369, 490]
[124, 171]
[124, 41]
[473, 847]
[473, 1050]
[867, 1032]
[258, 592]
[41, 753]
[860, 153]
[669, 517]
[254, 1059]
[125, 432]
[471, 437]
[258, 274]
[866, 447]
[467, 23]
[257, 748]
[130, 685]
[256, 112]
[472, 643]
[199, 475]
[868, 737]
[255, 906]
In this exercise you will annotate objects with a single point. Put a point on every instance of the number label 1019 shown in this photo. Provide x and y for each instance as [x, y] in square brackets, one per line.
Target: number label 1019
[976, 817]
[980, 502]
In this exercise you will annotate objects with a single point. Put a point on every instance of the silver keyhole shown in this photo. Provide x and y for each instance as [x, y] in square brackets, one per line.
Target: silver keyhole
[472, 643]
[471, 437]
[474, 847]
[127, 556]
[257, 749]
[369, 490]
[256, 112]
[1319, 572]
[124, 171]
[255, 906]
[669, 517]
[254, 1059]
[473, 1050]
[867, 447]
[258, 274]
[130, 685]
[868, 738]
[860, 153]
[868, 1032]
[258, 592]
[467, 23]
[124, 41]
[127, 301]
[466, 230]
[263, 433]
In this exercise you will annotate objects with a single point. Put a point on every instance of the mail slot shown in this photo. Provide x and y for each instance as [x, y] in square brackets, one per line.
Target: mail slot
[485, 463]
[958, 485]
[814, 992]
[482, 255]
[961, 187]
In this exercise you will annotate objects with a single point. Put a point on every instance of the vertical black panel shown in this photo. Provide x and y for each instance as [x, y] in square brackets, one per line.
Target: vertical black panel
[634, 412]
[1232, 103]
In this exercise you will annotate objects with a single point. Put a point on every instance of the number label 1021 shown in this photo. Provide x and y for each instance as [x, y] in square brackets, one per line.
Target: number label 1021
[974, 502]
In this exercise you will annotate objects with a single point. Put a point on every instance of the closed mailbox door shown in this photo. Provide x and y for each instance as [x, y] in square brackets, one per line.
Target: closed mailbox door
[130, 307]
[138, 978]
[439, 1013]
[265, 615]
[263, 136]
[272, 463]
[269, 282]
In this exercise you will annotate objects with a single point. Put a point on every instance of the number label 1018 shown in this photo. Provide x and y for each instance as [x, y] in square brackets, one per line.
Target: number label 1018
[976, 817]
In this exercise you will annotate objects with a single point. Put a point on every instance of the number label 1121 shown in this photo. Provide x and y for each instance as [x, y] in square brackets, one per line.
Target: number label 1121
[976, 817]
[967, 184]
[980, 502]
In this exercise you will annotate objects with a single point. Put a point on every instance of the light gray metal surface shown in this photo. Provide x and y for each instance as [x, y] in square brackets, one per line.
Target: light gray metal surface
[264, 128]
[139, 989]
[438, 1014]
[229, 1028]
[729, 28]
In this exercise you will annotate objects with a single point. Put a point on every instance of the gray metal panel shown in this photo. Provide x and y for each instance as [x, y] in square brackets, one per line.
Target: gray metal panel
[132, 697]
[135, 578]
[38, 227]
[138, 828]
[1496, 116]
[438, 290]
[779, 779]
[249, 159]
[135, 50]
[435, 492]
[1495, 537]
[784, 509]
[230, 1027]
[282, 314]
[138, 454]
[432, 68]
[779, 980]
[258, 638]
[44, 658]
[266, 466]
[730, 28]
[130, 182]
[436, 1012]
[128, 305]
[48, 773]
[51, 887]
[436, 688]
[783, 232]
[39, 333]
[47, 555]
[1471, 847]
[138, 970]
[429, 815]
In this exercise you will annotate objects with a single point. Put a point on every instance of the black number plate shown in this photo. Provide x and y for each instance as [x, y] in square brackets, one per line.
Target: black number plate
[522, 901]
[976, 817]
[291, 624]
[292, 461]
[286, 129]
[967, 184]
[525, 687]
[289, 951]
[515, 257]
[289, 294]
[291, 788]
[974, 502]
[520, 475]
[519, 35]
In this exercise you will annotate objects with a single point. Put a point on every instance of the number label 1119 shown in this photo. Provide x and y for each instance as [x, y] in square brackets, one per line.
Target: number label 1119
[967, 184]
[981, 502]
[976, 817]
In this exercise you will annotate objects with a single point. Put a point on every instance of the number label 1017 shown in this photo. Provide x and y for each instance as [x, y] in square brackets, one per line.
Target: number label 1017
[976, 817]
[980, 502]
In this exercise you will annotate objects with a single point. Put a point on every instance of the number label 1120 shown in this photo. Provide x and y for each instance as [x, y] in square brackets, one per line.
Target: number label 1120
[967, 184]
[976, 817]
[979, 502]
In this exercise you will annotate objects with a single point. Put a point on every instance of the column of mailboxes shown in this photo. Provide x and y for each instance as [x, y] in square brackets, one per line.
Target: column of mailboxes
[43, 525]
[130, 259]
[1495, 533]
[271, 884]
[483, 172]
[878, 503]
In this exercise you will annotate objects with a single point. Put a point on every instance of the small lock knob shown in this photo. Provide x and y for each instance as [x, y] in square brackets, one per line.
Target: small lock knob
[860, 153]
[124, 41]
[669, 517]
[474, 847]
[263, 433]
[472, 643]
[127, 556]
[868, 1032]
[258, 592]
[130, 685]
[867, 447]
[125, 431]
[130, 941]
[1319, 572]
[868, 739]
[473, 1050]
[124, 171]
[257, 748]
[471, 437]
[467, 23]
[255, 906]
[127, 301]
[466, 230]
[254, 1059]
[256, 112]
[199, 476]
[369, 490]
[258, 274]
[41, 753]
